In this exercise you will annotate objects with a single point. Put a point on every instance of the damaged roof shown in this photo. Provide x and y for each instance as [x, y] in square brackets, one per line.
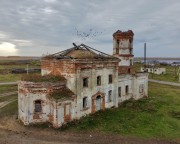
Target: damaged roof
[64, 93]
[81, 51]
[125, 33]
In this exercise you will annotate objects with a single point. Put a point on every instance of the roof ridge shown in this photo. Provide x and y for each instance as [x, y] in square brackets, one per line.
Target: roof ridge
[93, 53]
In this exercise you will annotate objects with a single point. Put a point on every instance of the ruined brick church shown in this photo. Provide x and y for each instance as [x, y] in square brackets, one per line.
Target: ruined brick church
[89, 81]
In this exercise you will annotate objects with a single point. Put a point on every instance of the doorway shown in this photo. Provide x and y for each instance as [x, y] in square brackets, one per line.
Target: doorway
[98, 103]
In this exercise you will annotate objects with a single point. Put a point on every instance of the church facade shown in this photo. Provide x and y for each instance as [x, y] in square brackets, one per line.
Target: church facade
[90, 81]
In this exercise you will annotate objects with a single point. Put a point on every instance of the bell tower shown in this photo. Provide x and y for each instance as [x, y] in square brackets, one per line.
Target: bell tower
[123, 49]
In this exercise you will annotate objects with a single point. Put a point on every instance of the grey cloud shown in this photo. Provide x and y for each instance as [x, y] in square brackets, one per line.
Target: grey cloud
[49, 25]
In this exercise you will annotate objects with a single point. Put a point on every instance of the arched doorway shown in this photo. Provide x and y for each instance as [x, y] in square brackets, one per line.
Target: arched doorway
[98, 103]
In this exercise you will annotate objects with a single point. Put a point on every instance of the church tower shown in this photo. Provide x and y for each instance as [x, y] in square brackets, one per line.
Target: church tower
[123, 48]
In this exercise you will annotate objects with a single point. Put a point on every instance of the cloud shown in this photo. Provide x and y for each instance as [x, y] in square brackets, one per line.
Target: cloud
[20, 42]
[7, 49]
[2, 36]
[48, 10]
[37, 26]
[50, 1]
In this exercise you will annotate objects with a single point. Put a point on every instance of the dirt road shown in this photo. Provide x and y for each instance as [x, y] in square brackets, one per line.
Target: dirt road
[164, 82]
[8, 83]
[12, 132]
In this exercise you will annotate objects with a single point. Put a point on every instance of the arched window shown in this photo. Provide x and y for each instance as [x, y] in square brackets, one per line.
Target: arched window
[38, 107]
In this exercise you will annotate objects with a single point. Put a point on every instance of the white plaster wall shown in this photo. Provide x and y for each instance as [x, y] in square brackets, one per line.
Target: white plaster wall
[114, 43]
[124, 43]
[124, 51]
[141, 78]
[93, 88]
[133, 81]
[71, 81]
[45, 107]
[124, 62]
[124, 80]
[22, 109]
[45, 72]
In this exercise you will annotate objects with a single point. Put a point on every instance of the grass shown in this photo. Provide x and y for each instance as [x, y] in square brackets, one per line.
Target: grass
[39, 78]
[8, 88]
[9, 110]
[165, 77]
[154, 117]
[10, 77]
[62, 93]
[5, 98]
[7, 66]
[157, 116]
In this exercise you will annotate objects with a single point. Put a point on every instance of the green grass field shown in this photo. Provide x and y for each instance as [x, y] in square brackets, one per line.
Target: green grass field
[170, 75]
[8, 88]
[9, 110]
[157, 116]
[5, 98]
[7, 66]
[10, 77]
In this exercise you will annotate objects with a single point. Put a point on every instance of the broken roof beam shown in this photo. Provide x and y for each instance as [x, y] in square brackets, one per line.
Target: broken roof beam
[97, 51]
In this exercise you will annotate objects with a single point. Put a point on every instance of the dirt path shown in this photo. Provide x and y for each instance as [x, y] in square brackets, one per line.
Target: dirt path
[56, 137]
[12, 132]
[8, 83]
[163, 82]
[8, 94]
[3, 104]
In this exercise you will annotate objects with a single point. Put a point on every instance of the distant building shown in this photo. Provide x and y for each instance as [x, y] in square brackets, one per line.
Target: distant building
[155, 70]
[92, 81]
[175, 64]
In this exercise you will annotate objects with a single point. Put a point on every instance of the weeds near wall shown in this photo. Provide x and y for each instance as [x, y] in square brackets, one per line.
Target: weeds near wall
[39, 78]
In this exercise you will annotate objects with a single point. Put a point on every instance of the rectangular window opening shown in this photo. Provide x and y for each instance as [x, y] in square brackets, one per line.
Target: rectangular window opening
[85, 82]
[119, 91]
[109, 95]
[127, 89]
[85, 102]
[141, 88]
[98, 80]
[38, 107]
[110, 79]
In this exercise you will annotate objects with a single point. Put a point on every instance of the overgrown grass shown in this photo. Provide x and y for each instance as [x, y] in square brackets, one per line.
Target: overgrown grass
[62, 93]
[39, 78]
[157, 116]
[6, 67]
[154, 117]
[10, 77]
[165, 77]
[5, 98]
[9, 110]
[8, 88]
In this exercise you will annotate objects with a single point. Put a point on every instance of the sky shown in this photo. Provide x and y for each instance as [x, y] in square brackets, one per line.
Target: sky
[41, 27]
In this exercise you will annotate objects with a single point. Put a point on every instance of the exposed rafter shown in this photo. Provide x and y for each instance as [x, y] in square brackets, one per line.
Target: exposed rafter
[97, 54]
